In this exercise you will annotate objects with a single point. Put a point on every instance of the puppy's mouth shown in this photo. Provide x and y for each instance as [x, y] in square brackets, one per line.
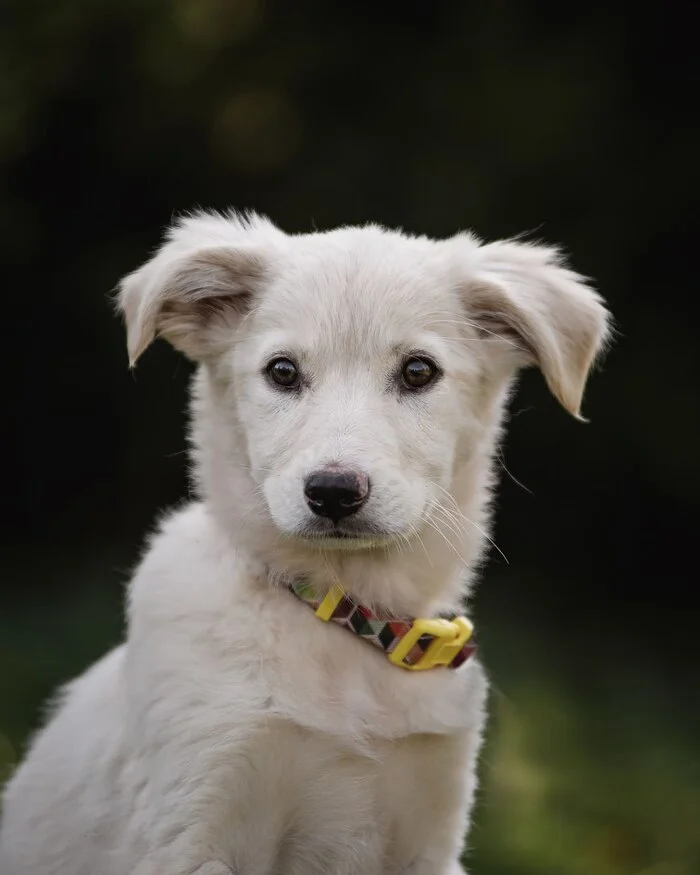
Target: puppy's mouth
[337, 538]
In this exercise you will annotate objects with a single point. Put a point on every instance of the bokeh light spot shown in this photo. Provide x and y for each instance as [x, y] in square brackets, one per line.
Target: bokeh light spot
[257, 131]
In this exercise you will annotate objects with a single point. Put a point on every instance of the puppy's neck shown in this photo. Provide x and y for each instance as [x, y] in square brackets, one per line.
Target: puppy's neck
[388, 585]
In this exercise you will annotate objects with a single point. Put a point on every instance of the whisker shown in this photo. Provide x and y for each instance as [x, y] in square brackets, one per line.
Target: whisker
[428, 521]
[450, 520]
[257, 489]
[176, 453]
[470, 521]
[481, 329]
[515, 480]
[416, 534]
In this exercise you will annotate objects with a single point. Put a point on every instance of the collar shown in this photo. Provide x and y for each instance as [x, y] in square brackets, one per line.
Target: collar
[413, 644]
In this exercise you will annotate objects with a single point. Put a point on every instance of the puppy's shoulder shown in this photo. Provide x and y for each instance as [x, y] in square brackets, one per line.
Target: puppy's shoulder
[191, 566]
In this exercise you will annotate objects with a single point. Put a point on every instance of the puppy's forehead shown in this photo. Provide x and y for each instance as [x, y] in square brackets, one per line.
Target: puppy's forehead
[365, 285]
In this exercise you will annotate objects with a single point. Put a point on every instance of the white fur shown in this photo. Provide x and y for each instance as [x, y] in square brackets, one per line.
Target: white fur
[234, 731]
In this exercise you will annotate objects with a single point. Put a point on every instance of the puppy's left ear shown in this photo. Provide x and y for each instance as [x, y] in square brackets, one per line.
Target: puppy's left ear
[537, 311]
[191, 300]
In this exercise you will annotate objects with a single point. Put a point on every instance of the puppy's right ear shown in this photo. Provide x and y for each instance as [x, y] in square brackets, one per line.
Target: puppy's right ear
[191, 300]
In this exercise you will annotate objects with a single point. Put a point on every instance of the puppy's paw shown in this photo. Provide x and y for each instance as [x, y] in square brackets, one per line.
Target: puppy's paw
[214, 868]
[148, 867]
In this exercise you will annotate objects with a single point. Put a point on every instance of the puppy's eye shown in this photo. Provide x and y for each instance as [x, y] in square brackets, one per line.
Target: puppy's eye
[418, 372]
[284, 373]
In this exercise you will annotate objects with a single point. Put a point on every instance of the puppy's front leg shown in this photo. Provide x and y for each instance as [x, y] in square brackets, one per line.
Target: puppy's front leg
[162, 863]
[214, 869]
[204, 869]
[430, 836]
[191, 811]
[190, 827]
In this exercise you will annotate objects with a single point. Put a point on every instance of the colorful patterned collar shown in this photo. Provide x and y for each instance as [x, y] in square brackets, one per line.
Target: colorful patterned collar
[411, 644]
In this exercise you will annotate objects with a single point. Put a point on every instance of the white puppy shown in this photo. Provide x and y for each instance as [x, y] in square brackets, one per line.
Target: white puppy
[346, 410]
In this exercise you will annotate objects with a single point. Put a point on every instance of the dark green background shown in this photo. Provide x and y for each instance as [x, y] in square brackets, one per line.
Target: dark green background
[575, 121]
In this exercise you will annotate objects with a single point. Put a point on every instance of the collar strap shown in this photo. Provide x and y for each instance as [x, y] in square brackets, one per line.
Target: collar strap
[411, 644]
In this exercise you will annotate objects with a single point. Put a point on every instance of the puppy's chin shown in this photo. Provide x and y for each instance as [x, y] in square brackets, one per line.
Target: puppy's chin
[347, 542]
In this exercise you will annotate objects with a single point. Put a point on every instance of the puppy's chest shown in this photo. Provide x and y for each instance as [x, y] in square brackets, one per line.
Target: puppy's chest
[311, 802]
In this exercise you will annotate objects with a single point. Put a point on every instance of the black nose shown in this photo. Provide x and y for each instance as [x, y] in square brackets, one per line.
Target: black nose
[336, 492]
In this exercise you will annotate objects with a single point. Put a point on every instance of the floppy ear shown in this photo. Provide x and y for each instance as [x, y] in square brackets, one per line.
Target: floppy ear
[524, 296]
[186, 298]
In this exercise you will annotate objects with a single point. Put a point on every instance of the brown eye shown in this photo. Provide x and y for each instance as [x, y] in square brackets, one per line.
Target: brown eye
[418, 372]
[284, 373]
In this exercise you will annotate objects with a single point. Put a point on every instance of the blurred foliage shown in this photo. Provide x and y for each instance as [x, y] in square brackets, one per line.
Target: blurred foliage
[572, 122]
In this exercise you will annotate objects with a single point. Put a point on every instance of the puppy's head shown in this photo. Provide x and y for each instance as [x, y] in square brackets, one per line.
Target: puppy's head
[349, 377]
